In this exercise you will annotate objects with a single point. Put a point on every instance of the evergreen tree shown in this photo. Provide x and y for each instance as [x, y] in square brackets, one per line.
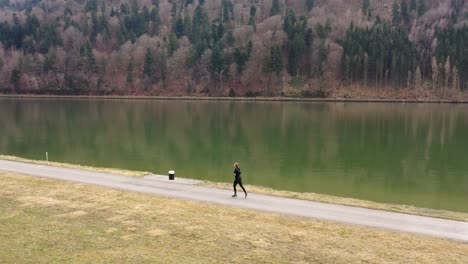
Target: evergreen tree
[289, 24]
[308, 38]
[241, 57]
[94, 27]
[227, 10]
[421, 7]
[91, 6]
[31, 26]
[124, 9]
[299, 36]
[179, 27]
[148, 64]
[49, 61]
[162, 65]
[295, 54]
[200, 35]
[217, 58]
[134, 7]
[365, 6]
[310, 4]
[173, 44]
[130, 72]
[253, 12]
[214, 32]
[154, 14]
[155, 20]
[17, 33]
[239, 60]
[249, 49]
[413, 5]
[188, 26]
[15, 77]
[404, 11]
[104, 25]
[174, 10]
[275, 8]
[396, 16]
[200, 25]
[103, 7]
[322, 31]
[418, 78]
[455, 79]
[447, 72]
[197, 51]
[323, 54]
[5, 34]
[86, 52]
[365, 68]
[230, 40]
[146, 14]
[220, 32]
[276, 59]
[435, 73]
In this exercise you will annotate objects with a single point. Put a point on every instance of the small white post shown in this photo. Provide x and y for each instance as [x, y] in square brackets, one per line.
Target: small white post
[47, 156]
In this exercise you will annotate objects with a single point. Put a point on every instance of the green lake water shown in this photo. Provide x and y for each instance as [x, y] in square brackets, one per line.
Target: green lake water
[413, 154]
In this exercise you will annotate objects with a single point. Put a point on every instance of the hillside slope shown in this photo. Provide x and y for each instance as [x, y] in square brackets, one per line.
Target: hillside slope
[234, 47]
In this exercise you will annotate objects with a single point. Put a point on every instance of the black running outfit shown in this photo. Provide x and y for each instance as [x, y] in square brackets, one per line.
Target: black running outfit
[238, 180]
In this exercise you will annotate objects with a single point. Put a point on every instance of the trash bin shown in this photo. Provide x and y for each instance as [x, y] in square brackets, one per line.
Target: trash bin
[171, 175]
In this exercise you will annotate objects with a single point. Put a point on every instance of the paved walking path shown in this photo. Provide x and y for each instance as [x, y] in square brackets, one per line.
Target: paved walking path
[186, 189]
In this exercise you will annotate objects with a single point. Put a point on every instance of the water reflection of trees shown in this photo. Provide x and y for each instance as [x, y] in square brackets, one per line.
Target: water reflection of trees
[383, 152]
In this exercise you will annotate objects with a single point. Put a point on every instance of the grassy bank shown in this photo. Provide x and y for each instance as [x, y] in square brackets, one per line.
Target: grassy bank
[47, 221]
[263, 190]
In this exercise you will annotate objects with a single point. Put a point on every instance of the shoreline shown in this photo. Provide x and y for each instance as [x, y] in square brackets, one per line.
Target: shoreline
[307, 196]
[233, 99]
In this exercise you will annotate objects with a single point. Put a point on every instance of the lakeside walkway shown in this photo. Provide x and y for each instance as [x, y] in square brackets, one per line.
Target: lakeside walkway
[187, 189]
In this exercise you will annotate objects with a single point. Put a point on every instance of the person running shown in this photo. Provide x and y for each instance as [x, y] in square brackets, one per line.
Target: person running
[238, 180]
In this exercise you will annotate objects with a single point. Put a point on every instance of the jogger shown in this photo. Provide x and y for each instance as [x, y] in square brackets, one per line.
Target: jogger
[238, 180]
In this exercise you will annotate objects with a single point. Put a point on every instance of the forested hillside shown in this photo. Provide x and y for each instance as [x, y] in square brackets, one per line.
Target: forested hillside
[234, 47]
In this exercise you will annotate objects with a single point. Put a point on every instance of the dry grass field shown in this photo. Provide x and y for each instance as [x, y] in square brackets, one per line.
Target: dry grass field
[47, 221]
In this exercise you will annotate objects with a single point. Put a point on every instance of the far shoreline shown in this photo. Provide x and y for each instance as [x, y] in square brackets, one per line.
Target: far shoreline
[233, 99]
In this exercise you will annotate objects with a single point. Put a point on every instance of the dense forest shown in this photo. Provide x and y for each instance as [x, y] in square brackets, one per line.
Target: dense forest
[233, 47]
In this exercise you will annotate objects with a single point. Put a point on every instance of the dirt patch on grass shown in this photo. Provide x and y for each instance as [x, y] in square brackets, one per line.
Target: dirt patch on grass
[105, 225]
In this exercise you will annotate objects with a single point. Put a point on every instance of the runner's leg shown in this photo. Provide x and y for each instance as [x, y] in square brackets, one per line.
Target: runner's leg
[234, 186]
[242, 186]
